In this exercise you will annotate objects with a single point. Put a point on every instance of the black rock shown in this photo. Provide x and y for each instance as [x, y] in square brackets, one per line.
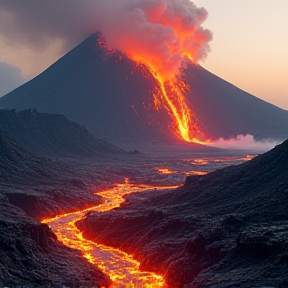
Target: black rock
[228, 228]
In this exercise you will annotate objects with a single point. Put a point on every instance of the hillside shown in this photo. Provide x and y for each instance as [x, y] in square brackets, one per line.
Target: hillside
[224, 229]
[29, 251]
[53, 135]
[31, 256]
[42, 186]
[113, 97]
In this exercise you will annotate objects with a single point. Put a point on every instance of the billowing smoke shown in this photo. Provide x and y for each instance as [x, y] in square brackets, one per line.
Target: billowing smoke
[164, 30]
[160, 32]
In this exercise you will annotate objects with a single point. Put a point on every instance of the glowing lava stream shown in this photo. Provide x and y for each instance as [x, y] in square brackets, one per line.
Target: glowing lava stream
[182, 113]
[121, 267]
[172, 91]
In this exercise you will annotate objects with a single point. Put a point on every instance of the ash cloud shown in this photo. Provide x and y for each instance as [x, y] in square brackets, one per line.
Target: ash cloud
[164, 29]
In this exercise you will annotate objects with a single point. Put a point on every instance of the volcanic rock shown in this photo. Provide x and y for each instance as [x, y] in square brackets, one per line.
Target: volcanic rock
[42, 186]
[54, 135]
[228, 228]
[113, 97]
[31, 255]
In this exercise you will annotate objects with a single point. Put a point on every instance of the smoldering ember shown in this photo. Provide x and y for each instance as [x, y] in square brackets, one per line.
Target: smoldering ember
[127, 164]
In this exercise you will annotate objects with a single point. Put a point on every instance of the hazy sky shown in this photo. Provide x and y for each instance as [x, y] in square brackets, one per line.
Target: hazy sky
[249, 47]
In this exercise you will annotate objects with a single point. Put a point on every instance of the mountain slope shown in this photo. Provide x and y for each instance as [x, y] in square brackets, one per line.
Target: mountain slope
[53, 135]
[224, 229]
[223, 110]
[106, 93]
[113, 97]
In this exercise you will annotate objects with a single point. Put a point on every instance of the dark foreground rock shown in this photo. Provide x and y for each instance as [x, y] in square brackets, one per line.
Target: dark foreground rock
[228, 228]
[31, 255]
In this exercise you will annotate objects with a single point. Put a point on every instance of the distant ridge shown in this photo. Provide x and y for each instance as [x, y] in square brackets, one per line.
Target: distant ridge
[113, 97]
[53, 135]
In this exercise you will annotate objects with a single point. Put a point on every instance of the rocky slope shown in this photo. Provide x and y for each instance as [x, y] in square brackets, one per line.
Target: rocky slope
[228, 228]
[113, 97]
[54, 135]
[42, 186]
[31, 256]
[30, 253]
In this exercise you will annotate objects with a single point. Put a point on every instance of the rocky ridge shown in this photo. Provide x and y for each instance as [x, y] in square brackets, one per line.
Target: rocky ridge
[54, 135]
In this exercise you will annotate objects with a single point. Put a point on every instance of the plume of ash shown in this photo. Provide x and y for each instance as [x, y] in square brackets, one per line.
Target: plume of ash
[161, 30]
[244, 142]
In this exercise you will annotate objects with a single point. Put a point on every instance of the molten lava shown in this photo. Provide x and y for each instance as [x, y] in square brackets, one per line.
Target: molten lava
[163, 35]
[172, 97]
[121, 267]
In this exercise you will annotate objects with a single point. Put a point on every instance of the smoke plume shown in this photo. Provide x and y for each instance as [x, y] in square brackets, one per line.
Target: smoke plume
[164, 30]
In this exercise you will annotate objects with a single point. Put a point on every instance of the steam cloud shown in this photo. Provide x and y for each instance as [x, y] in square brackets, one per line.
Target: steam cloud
[164, 29]
[244, 142]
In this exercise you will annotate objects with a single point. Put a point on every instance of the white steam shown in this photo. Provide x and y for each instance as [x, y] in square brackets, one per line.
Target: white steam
[245, 142]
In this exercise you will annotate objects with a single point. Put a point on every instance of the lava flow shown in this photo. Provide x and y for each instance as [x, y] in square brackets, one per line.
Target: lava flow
[171, 97]
[163, 35]
[121, 267]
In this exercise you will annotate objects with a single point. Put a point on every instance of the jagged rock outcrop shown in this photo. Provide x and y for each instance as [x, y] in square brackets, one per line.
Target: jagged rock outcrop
[224, 229]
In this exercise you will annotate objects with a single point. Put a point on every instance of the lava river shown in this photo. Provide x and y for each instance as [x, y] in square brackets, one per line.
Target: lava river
[121, 267]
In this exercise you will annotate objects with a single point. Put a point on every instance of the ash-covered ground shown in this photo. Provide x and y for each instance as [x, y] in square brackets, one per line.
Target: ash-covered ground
[224, 229]
[226, 226]
[35, 187]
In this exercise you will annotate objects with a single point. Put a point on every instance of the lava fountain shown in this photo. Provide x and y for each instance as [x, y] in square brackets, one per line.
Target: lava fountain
[163, 35]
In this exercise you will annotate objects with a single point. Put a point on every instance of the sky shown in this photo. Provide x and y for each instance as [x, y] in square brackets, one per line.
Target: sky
[249, 47]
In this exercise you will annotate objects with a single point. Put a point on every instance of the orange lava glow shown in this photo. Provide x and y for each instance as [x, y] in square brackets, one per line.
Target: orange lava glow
[206, 161]
[121, 267]
[166, 171]
[198, 173]
[171, 97]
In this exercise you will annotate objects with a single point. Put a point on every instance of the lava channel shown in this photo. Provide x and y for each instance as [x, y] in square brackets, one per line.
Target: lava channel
[120, 266]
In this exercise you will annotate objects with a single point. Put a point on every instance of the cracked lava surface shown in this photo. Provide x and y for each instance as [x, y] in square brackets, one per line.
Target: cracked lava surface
[121, 267]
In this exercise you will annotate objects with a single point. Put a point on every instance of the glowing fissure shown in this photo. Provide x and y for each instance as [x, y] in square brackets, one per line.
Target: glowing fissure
[181, 112]
[172, 89]
[121, 267]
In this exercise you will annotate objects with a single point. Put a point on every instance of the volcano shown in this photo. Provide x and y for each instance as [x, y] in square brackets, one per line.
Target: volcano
[114, 97]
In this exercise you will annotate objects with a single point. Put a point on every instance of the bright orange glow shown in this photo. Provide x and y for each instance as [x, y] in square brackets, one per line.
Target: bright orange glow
[198, 173]
[121, 267]
[201, 161]
[166, 171]
[171, 97]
